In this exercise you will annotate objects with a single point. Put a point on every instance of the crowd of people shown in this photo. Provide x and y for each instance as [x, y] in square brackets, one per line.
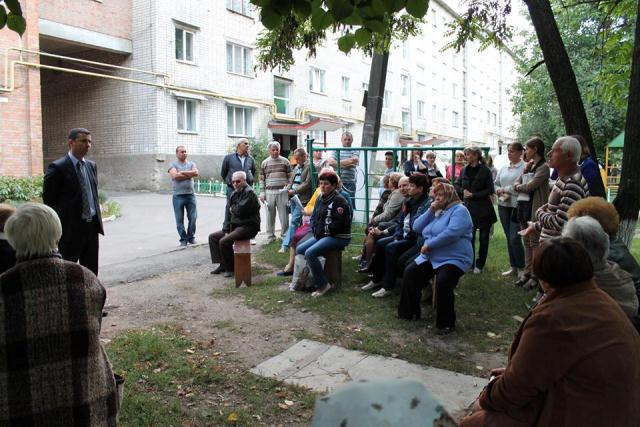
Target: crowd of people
[577, 350]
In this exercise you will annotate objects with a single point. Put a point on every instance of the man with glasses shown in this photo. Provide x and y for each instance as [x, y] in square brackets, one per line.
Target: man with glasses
[182, 172]
[243, 224]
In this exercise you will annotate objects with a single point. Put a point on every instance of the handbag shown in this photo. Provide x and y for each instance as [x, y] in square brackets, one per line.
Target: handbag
[523, 211]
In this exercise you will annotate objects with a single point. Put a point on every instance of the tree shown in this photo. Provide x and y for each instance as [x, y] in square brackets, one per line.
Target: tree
[491, 16]
[11, 16]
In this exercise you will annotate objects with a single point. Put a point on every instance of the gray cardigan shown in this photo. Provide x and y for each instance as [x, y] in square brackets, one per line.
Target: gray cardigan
[391, 208]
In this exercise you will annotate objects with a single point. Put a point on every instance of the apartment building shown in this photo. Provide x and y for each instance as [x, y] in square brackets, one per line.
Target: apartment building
[157, 74]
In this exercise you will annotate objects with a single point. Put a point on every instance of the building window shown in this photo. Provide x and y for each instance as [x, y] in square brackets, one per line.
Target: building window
[387, 138]
[186, 114]
[316, 80]
[365, 86]
[406, 124]
[434, 18]
[434, 79]
[386, 100]
[317, 135]
[239, 121]
[495, 119]
[405, 85]
[238, 59]
[184, 45]
[454, 90]
[239, 6]
[488, 117]
[454, 119]
[345, 88]
[421, 75]
[421, 109]
[405, 49]
[443, 115]
[282, 95]
[434, 113]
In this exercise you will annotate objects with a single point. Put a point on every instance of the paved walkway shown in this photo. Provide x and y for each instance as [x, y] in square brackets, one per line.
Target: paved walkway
[323, 367]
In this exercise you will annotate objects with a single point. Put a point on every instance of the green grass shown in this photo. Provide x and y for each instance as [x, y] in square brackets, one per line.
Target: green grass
[173, 381]
[485, 306]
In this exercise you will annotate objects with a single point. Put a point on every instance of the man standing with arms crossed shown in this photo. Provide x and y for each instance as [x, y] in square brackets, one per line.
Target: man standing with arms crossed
[348, 162]
[241, 160]
[182, 173]
[71, 188]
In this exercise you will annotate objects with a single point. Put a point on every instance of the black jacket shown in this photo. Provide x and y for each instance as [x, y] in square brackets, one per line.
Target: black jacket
[7, 256]
[61, 191]
[245, 210]
[414, 208]
[479, 181]
[332, 217]
[231, 163]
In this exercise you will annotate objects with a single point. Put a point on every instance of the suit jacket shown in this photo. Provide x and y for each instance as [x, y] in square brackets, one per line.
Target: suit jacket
[61, 191]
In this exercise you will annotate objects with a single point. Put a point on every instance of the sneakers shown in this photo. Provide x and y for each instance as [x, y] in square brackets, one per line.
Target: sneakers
[476, 270]
[282, 250]
[192, 241]
[369, 285]
[511, 272]
[321, 291]
[183, 244]
[284, 273]
[380, 293]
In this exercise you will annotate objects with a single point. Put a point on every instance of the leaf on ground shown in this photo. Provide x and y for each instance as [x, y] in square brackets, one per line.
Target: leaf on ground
[190, 351]
[282, 406]
[233, 417]
[288, 402]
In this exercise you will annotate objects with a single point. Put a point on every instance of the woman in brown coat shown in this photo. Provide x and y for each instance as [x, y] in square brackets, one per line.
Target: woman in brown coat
[574, 362]
[53, 369]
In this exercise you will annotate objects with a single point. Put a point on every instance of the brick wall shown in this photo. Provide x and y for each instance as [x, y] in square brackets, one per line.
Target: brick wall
[112, 17]
[20, 118]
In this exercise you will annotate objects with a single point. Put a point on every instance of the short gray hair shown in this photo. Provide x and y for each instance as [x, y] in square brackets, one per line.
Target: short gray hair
[300, 152]
[273, 144]
[590, 233]
[570, 146]
[34, 230]
[243, 174]
[242, 141]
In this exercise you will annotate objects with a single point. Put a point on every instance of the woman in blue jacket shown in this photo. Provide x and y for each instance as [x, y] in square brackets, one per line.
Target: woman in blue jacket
[446, 253]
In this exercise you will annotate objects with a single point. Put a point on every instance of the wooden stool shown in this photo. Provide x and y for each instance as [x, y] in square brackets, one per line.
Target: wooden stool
[333, 267]
[242, 262]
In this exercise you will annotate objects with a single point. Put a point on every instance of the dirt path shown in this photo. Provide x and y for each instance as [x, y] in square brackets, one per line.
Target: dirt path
[184, 298]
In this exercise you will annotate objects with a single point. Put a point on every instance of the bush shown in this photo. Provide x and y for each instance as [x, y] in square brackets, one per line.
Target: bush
[27, 189]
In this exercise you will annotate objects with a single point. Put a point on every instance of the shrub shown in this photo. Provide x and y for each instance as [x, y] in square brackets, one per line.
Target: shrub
[27, 189]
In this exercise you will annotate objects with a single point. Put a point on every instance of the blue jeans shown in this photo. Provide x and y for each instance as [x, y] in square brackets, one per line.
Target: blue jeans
[294, 223]
[514, 241]
[312, 249]
[180, 203]
[351, 189]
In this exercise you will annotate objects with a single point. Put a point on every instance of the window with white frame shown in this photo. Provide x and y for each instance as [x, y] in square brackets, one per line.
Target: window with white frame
[387, 138]
[317, 135]
[239, 6]
[405, 49]
[421, 75]
[434, 113]
[184, 45]
[186, 115]
[434, 82]
[386, 100]
[239, 121]
[443, 115]
[405, 85]
[317, 80]
[454, 90]
[455, 119]
[345, 88]
[434, 18]
[282, 95]
[495, 119]
[406, 123]
[239, 59]
[421, 109]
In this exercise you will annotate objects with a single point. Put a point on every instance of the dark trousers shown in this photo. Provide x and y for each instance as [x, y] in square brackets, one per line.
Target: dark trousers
[221, 245]
[481, 260]
[227, 214]
[514, 241]
[386, 263]
[84, 246]
[416, 277]
[400, 256]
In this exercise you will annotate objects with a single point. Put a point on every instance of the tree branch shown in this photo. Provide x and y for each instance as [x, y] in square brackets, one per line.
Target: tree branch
[532, 69]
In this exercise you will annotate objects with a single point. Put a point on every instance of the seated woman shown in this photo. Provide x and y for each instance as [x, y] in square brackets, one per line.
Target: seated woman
[609, 277]
[575, 361]
[383, 214]
[53, 368]
[415, 163]
[331, 225]
[446, 253]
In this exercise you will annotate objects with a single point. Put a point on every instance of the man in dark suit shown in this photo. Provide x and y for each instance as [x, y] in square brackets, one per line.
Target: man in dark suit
[71, 189]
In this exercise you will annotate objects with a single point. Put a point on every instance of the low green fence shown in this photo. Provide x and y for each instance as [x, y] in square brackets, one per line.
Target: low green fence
[215, 187]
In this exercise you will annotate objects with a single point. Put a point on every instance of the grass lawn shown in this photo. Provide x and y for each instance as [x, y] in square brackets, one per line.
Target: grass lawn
[486, 305]
[173, 381]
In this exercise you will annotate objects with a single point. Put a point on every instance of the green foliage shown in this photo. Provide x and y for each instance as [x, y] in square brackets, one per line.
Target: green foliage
[28, 189]
[586, 41]
[13, 19]
[369, 25]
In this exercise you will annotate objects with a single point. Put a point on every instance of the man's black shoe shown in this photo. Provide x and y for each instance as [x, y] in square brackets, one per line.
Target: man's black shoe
[218, 270]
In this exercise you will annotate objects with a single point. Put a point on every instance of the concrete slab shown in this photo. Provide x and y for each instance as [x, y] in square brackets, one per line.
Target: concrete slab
[323, 368]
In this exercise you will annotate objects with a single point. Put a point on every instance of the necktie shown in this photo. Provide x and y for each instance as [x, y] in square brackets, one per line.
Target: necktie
[84, 190]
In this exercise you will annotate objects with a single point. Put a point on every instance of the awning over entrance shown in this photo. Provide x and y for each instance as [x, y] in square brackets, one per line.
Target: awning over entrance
[318, 124]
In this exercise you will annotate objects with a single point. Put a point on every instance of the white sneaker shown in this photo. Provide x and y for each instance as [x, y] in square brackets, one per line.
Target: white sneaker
[369, 285]
[476, 270]
[380, 293]
[321, 291]
[511, 272]
[282, 250]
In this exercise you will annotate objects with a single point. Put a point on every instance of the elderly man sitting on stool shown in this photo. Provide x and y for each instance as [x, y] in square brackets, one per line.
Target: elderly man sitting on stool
[243, 224]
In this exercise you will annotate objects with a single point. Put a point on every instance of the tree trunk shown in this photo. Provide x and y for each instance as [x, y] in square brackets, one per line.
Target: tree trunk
[563, 78]
[628, 199]
[374, 100]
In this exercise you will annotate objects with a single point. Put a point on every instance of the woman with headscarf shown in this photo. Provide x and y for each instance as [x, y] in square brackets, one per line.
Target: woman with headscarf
[475, 187]
[446, 253]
